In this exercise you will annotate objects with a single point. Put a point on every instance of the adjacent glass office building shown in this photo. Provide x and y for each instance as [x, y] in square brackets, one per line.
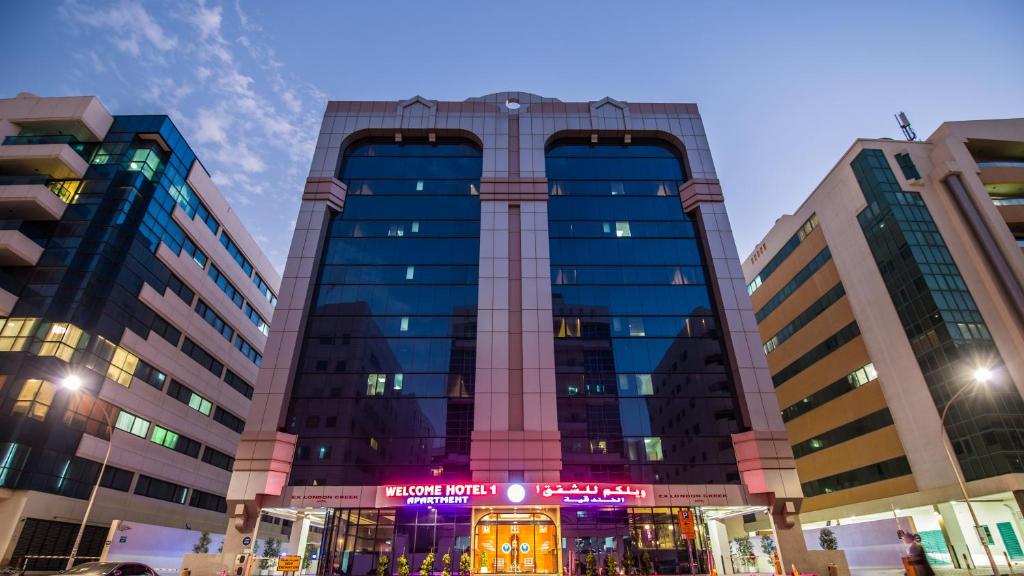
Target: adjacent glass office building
[134, 308]
[517, 331]
[884, 297]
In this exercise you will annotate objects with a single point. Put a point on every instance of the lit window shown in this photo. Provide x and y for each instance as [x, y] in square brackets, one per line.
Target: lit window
[415, 227]
[419, 185]
[622, 230]
[145, 161]
[66, 190]
[652, 445]
[399, 378]
[636, 327]
[373, 444]
[599, 446]
[35, 399]
[617, 188]
[396, 230]
[122, 366]
[645, 384]
[568, 328]
[435, 472]
[14, 333]
[642, 383]
[324, 452]
[200, 404]
[132, 424]
[405, 324]
[606, 227]
[375, 384]
[61, 340]
[164, 437]
[410, 271]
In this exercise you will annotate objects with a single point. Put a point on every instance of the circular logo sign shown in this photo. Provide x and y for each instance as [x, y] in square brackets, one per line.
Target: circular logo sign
[516, 493]
[246, 541]
[506, 547]
[524, 547]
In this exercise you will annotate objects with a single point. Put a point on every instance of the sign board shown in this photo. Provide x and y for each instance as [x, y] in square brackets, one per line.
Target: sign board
[246, 540]
[686, 525]
[527, 494]
[566, 493]
[289, 564]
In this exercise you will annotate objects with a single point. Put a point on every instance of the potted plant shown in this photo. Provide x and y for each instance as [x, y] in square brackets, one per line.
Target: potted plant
[827, 539]
[428, 564]
[611, 565]
[403, 565]
[446, 562]
[465, 564]
[628, 563]
[589, 564]
[745, 551]
[382, 565]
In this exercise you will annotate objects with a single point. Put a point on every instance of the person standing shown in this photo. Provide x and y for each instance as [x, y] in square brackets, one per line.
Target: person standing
[916, 557]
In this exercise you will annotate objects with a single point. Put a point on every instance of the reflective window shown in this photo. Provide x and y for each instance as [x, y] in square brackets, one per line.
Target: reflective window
[391, 337]
[644, 393]
[942, 323]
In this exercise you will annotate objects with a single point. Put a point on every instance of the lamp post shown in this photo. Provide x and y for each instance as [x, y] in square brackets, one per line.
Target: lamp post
[74, 383]
[981, 376]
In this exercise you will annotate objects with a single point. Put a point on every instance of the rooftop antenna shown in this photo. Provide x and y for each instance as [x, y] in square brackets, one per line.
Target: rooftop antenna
[904, 123]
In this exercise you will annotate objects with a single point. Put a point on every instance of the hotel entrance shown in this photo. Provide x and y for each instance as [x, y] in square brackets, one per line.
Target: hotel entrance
[530, 529]
[515, 541]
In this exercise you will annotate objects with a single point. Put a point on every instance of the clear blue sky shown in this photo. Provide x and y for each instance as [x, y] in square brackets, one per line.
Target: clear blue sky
[783, 87]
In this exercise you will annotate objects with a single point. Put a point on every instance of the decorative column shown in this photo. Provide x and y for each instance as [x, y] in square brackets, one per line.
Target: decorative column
[264, 456]
[763, 453]
[515, 432]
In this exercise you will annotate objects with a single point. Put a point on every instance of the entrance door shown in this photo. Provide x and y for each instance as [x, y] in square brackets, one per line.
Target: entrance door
[515, 543]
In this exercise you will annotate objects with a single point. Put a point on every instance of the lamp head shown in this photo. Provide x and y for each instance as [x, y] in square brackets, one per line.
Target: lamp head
[982, 375]
[71, 382]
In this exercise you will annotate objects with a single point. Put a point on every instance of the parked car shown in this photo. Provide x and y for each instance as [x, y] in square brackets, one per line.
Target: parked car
[110, 569]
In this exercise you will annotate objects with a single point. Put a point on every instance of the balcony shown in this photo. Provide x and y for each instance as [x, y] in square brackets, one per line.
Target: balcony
[61, 156]
[1003, 177]
[23, 199]
[16, 249]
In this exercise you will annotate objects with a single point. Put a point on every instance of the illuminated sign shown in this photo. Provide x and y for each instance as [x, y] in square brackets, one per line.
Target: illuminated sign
[516, 493]
[439, 493]
[526, 494]
[593, 493]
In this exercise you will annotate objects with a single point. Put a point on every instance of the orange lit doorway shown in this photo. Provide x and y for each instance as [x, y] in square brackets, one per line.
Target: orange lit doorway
[516, 541]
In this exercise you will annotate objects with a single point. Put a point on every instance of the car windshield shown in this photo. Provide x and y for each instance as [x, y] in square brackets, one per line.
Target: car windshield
[93, 568]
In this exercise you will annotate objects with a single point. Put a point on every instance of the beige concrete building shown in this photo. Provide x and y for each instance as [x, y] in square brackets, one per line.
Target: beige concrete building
[877, 300]
[134, 309]
[516, 328]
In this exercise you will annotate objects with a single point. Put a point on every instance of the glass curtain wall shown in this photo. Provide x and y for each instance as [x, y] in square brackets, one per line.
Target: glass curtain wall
[384, 388]
[644, 392]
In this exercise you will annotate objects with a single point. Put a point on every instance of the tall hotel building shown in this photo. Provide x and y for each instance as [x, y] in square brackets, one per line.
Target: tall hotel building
[124, 274]
[877, 300]
[517, 328]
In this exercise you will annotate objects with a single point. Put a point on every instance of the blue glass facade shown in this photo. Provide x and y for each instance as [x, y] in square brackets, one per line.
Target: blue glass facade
[384, 387]
[644, 390]
[946, 331]
[74, 307]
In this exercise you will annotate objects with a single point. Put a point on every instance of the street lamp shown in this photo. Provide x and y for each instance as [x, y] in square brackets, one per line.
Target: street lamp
[73, 383]
[982, 375]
